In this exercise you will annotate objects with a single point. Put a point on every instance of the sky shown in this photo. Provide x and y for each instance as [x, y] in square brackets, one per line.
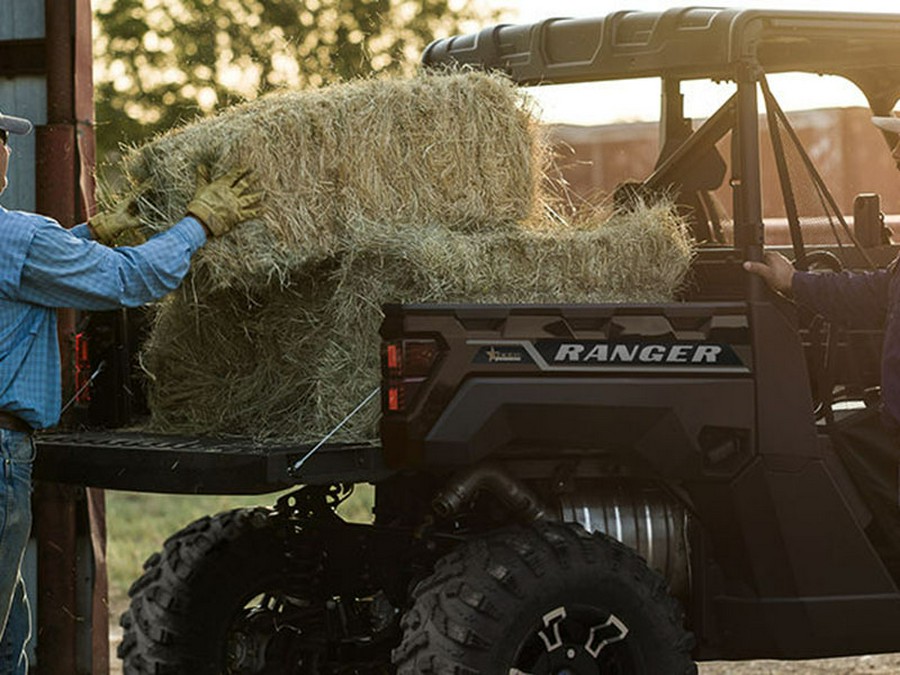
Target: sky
[638, 100]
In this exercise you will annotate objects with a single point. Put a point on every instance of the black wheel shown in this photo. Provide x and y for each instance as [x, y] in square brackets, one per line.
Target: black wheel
[228, 596]
[547, 599]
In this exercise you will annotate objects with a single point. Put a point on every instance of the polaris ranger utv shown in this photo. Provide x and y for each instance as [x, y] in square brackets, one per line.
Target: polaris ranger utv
[622, 488]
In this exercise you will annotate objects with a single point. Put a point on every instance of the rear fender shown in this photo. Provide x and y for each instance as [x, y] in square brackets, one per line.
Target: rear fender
[682, 428]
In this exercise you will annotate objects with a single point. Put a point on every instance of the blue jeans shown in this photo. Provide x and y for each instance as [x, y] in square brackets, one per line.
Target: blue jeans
[16, 457]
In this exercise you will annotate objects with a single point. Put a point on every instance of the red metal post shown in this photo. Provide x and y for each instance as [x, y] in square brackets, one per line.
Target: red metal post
[65, 160]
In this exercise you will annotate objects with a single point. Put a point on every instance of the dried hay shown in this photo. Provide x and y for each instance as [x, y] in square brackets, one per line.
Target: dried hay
[290, 363]
[460, 150]
[426, 190]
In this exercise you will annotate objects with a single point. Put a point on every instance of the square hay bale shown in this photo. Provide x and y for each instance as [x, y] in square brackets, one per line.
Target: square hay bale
[292, 361]
[421, 190]
[458, 149]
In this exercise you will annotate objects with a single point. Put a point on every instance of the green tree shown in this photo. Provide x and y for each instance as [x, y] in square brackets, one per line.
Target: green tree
[160, 63]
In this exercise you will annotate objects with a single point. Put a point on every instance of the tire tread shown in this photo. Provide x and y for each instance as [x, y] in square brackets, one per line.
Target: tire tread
[477, 587]
[156, 624]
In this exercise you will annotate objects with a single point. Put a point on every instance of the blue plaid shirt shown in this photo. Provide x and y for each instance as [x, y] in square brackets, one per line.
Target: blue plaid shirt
[43, 267]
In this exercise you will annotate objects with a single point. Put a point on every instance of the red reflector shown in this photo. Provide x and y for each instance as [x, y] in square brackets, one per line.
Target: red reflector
[393, 356]
[393, 397]
[406, 364]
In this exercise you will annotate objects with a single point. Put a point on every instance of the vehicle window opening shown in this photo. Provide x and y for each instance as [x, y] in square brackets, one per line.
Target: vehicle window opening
[806, 197]
[695, 168]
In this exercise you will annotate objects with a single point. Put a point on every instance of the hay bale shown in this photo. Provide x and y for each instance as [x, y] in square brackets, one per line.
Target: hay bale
[236, 362]
[290, 362]
[422, 190]
[456, 149]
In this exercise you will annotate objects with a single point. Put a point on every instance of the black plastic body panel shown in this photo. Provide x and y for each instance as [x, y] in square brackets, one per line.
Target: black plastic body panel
[783, 524]
[117, 395]
[554, 341]
[797, 566]
[676, 428]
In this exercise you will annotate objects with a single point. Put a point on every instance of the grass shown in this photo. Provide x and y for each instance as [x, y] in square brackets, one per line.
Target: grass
[138, 524]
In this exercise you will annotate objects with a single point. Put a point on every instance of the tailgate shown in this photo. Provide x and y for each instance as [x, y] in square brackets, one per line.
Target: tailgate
[145, 462]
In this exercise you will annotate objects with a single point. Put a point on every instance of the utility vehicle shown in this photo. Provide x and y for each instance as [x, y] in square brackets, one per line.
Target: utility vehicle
[622, 488]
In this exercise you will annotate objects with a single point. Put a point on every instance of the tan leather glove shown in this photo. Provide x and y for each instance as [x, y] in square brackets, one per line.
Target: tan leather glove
[227, 201]
[119, 226]
[131, 237]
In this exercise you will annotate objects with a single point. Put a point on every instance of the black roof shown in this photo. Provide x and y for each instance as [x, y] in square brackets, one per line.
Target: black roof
[689, 43]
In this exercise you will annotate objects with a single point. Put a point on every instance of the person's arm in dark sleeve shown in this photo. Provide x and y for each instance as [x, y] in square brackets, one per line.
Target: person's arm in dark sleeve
[854, 299]
[63, 270]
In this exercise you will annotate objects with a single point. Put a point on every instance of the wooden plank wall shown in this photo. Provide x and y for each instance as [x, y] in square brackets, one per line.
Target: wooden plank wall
[21, 19]
[24, 95]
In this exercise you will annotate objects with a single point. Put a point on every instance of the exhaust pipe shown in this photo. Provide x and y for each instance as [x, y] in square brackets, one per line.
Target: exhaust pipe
[462, 489]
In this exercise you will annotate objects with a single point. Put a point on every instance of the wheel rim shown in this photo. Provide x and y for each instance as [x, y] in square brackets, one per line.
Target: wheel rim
[264, 637]
[577, 640]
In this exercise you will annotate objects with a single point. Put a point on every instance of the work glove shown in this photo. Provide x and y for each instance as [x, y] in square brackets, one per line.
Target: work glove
[119, 227]
[225, 202]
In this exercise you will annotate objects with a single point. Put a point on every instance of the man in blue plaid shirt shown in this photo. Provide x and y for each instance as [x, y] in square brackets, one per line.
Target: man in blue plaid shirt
[44, 267]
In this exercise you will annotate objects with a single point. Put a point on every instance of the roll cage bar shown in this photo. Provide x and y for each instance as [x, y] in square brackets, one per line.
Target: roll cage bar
[702, 43]
[689, 43]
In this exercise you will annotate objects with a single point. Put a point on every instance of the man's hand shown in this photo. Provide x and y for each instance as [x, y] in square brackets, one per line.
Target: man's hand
[121, 225]
[776, 270]
[227, 201]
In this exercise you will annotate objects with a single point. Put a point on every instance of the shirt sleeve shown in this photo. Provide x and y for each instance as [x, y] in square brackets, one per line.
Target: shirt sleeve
[81, 231]
[64, 270]
[853, 299]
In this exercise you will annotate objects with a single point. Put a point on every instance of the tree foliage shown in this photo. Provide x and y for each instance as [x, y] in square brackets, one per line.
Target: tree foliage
[159, 63]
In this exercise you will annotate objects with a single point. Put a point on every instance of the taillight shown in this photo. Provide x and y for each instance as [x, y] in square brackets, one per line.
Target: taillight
[406, 364]
[393, 356]
[393, 399]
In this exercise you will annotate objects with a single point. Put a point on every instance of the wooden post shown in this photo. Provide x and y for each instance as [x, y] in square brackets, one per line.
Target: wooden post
[73, 625]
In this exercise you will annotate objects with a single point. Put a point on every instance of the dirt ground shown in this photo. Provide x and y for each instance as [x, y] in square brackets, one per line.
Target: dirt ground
[884, 664]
